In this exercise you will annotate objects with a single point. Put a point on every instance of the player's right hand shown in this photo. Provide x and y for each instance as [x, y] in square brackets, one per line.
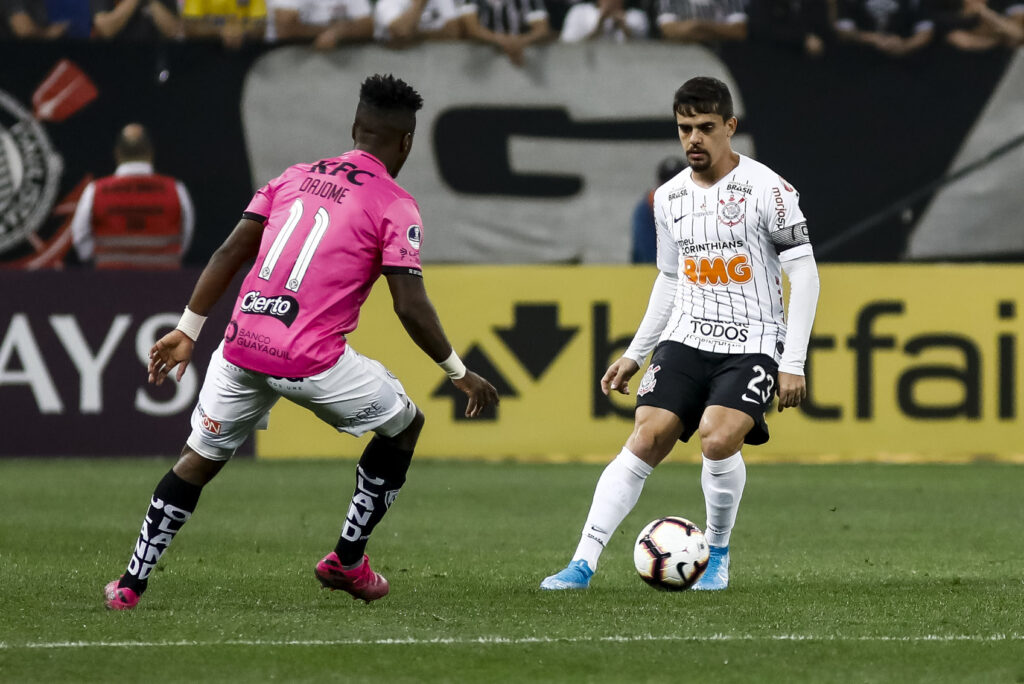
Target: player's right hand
[480, 392]
[618, 374]
[173, 350]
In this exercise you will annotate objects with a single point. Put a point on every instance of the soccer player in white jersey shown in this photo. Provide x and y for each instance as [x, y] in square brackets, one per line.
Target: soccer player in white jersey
[727, 228]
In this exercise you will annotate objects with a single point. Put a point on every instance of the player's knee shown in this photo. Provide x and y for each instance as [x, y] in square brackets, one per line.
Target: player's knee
[407, 438]
[718, 444]
[649, 443]
[195, 468]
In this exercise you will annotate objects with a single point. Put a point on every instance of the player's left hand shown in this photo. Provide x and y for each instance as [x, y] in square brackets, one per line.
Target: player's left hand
[173, 350]
[792, 390]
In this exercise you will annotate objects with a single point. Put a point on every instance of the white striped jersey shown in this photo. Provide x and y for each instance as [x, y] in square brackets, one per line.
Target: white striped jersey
[726, 244]
[511, 17]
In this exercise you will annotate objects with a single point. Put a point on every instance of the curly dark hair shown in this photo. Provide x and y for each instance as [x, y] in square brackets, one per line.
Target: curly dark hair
[387, 93]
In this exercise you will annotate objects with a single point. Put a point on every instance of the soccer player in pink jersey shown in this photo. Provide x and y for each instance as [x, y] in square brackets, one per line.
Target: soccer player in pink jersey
[321, 234]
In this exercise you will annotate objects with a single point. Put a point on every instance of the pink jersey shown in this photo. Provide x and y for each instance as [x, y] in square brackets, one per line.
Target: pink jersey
[331, 228]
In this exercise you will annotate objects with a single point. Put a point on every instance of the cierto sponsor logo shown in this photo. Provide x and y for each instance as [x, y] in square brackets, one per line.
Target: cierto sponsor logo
[281, 307]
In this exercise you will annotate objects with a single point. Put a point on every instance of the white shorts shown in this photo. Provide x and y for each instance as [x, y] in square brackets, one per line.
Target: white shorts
[356, 395]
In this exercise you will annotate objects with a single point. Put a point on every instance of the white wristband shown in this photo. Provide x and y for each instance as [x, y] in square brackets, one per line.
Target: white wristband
[453, 366]
[191, 323]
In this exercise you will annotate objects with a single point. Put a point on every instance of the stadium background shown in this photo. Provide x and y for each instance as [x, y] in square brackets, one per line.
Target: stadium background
[526, 179]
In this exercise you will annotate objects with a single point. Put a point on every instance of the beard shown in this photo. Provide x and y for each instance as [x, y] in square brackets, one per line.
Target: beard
[703, 164]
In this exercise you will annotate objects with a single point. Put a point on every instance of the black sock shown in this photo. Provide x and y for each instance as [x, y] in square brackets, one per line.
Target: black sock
[172, 505]
[379, 476]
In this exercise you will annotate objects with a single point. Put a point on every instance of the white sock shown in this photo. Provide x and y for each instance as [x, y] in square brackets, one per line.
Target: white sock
[614, 497]
[722, 482]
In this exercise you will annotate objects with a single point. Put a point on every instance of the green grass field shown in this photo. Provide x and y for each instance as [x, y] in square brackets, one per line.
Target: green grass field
[856, 573]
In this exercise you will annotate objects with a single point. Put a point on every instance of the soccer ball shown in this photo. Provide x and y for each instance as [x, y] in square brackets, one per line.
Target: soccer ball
[671, 553]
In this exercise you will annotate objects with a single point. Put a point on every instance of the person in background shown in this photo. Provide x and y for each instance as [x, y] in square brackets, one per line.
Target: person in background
[136, 20]
[398, 23]
[509, 25]
[135, 219]
[987, 25]
[896, 28]
[702, 21]
[645, 239]
[325, 23]
[618, 20]
[77, 15]
[28, 19]
[803, 24]
[233, 22]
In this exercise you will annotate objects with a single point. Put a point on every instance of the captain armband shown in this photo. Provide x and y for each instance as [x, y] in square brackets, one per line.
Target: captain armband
[790, 236]
[453, 366]
[191, 323]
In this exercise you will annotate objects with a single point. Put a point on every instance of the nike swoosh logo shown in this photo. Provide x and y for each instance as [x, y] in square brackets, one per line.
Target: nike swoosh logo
[680, 218]
[744, 397]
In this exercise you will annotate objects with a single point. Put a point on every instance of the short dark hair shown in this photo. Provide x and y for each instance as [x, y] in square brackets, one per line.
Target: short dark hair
[389, 94]
[703, 95]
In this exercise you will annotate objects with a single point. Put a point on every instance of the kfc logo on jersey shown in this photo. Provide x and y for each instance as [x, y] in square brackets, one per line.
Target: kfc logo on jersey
[717, 270]
[281, 307]
[649, 381]
[732, 212]
[415, 236]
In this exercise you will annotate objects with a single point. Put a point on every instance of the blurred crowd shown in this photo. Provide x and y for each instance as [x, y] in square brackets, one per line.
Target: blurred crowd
[893, 27]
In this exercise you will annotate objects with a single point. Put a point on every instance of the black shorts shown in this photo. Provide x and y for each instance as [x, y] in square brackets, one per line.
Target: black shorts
[685, 381]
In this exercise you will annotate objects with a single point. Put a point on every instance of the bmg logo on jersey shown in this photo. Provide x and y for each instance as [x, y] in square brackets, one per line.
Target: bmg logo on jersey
[717, 270]
[281, 307]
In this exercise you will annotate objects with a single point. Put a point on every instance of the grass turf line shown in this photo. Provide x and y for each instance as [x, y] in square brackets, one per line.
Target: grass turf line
[841, 573]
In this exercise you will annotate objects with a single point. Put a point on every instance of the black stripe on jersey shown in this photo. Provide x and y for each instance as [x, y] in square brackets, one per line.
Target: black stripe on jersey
[762, 243]
[746, 239]
[253, 216]
[718, 234]
[757, 242]
[704, 313]
[507, 16]
[401, 270]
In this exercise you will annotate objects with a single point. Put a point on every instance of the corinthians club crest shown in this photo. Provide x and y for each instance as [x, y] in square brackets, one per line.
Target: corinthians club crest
[35, 220]
[733, 211]
[30, 171]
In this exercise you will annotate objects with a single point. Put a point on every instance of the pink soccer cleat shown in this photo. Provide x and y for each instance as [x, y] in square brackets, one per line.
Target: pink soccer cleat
[120, 598]
[361, 582]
